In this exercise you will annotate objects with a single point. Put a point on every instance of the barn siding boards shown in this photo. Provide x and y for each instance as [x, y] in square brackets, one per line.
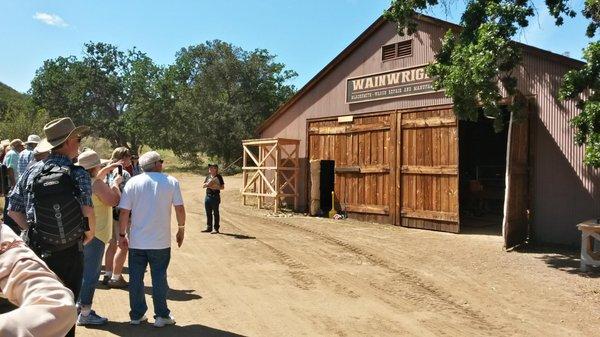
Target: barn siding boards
[362, 169]
[556, 205]
[429, 171]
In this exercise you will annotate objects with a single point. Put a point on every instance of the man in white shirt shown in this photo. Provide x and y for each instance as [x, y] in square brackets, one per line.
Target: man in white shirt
[148, 197]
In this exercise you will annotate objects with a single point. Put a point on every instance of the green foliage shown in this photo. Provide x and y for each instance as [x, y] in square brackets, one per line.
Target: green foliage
[217, 94]
[476, 62]
[18, 116]
[403, 12]
[592, 12]
[107, 89]
[583, 85]
[214, 96]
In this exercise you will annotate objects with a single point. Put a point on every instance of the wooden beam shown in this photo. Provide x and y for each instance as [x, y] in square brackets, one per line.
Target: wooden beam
[347, 169]
[371, 209]
[428, 122]
[363, 169]
[342, 129]
[375, 168]
[429, 215]
[265, 168]
[439, 170]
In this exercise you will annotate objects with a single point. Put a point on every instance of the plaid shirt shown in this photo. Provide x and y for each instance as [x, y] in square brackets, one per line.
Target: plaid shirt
[22, 199]
[25, 158]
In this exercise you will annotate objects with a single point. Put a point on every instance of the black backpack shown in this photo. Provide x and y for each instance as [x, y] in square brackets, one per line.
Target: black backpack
[4, 184]
[58, 219]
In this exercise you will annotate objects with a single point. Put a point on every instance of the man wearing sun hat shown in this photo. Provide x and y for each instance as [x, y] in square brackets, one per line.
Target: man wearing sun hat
[63, 139]
[26, 156]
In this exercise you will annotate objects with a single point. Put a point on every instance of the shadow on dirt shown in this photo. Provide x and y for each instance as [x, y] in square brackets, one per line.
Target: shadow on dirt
[126, 329]
[178, 295]
[563, 258]
[238, 236]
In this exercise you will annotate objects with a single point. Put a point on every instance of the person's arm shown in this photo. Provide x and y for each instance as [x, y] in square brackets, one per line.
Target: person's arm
[221, 183]
[108, 195]
[103, 172]
[11, 176]
[123, 223]
[180, 215]
[84, 184]
[16, 205]
[19, 218]
[46, 306]
[88, 212]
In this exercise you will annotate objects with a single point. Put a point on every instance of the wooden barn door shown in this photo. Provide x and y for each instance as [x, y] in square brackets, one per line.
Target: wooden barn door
[363, 152]
[515, 226]
[428, 176]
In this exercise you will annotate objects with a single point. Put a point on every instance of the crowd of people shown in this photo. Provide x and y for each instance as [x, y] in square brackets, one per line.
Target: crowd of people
[67, 210]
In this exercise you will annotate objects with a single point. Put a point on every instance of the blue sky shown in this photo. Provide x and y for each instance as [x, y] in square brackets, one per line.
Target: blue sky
[305, 35]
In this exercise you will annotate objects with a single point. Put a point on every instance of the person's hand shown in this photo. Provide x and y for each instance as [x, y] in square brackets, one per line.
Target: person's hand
[117, 163]
[205, 185]
[88, 237]
[118, 180]
[122, 242]
[180, 236]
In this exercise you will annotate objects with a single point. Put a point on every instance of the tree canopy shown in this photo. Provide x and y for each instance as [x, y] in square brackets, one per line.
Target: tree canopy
[219, 95]
[475, 63]
[106, 89]
[212, 96]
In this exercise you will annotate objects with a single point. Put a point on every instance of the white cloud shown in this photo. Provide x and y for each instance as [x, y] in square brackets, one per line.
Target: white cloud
[50, 19]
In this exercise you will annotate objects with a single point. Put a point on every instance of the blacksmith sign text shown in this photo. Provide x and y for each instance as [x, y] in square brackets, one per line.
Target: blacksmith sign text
[395, 83]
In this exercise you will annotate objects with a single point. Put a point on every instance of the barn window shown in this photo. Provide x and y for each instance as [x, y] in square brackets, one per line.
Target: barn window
[396, 50]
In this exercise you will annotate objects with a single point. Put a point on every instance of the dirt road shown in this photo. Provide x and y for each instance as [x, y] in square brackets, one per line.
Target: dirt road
[302, 276]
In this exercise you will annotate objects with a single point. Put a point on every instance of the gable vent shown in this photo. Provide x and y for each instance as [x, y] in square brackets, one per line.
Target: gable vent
[396, 50]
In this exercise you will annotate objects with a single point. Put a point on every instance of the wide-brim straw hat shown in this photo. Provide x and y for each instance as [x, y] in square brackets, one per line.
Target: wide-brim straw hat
[16, 142]
[33, 139]
[58, 131]
[88, 159]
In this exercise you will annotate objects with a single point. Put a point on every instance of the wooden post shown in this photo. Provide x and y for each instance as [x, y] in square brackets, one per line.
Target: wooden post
[244, 173]
[261, 181]
[296, 175]
[277, 187]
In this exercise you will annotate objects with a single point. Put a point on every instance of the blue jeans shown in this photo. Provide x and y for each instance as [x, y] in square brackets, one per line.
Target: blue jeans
[159, 262]
[92, 262]
[211, 205]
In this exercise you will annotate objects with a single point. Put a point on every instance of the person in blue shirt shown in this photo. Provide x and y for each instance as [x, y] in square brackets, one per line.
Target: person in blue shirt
[26, 156]
[63, 140]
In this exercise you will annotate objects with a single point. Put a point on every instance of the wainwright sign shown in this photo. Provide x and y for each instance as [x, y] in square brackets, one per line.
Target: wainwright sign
[395, 83]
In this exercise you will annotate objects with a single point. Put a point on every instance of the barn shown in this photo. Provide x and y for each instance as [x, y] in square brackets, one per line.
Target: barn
[372, 129]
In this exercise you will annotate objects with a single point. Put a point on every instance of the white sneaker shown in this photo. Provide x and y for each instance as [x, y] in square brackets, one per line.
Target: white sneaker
[138, 321]
[159, 322]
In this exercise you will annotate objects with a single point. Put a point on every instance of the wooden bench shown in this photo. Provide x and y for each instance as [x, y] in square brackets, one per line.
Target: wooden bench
[590, 231]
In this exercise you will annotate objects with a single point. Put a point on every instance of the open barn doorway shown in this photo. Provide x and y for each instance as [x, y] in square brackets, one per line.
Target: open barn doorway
[482, 176]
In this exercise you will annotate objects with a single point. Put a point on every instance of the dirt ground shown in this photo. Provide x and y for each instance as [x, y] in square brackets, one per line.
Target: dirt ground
[301, 276]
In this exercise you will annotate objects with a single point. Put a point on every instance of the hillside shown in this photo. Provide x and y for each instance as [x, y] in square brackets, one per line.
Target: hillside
[9, 96]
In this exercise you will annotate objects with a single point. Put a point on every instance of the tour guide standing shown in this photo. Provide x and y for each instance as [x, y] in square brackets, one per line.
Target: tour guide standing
[214, 184]
[149, 197]
[53, 201]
